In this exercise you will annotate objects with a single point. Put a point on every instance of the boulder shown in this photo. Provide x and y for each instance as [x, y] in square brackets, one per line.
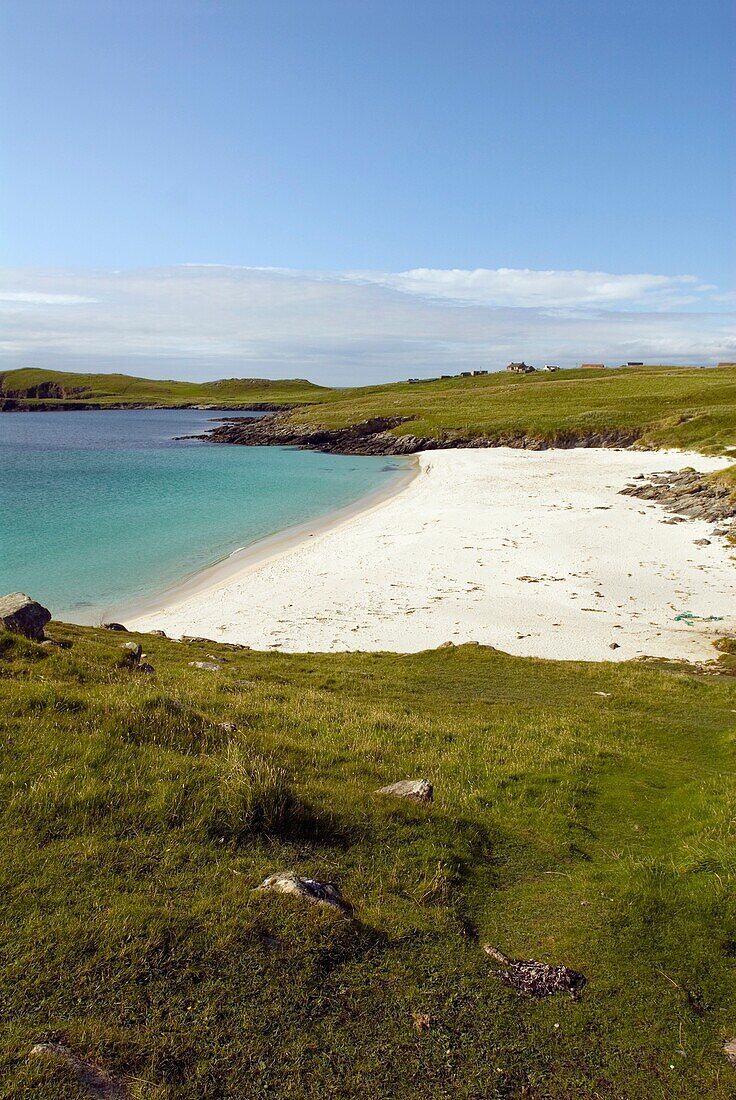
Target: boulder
[729, 1049]
[318, 893]
[210, 666]
[145, 668]
[115, 626]
[23, 615]
[416, 790]
[158, 633]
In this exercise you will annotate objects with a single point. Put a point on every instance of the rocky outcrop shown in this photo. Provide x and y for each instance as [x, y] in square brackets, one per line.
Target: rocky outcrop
[416, 790]
[685, 493]
[22, 615]
[376, 437]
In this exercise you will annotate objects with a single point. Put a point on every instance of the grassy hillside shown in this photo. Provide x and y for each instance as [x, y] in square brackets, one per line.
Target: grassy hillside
[569, 825]
[56, 388]
[667, 406]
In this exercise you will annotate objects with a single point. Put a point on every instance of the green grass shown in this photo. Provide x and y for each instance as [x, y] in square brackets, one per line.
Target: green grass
[56, 388]
[567, 826]
[683, 407]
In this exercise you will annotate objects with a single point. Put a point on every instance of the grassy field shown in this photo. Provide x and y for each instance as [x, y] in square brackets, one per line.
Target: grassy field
[57, 388]
[569, 826]
[668, 406]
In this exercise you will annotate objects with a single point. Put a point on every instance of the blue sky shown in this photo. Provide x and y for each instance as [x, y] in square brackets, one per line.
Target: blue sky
[368, 139]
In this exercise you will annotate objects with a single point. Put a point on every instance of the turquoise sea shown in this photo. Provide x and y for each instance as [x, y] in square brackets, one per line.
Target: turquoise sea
[100, 509]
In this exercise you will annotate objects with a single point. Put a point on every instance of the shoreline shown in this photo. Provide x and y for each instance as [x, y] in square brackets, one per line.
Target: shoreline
[536, 553]
[263, 550]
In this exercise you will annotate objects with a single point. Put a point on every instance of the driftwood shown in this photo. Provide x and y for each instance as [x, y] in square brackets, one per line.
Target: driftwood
[536, 979]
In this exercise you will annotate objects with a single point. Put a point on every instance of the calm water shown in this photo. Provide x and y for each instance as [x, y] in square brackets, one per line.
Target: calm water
[98, 509]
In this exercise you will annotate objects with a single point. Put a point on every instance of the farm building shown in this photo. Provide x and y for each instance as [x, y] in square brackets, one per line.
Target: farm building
[520, 368]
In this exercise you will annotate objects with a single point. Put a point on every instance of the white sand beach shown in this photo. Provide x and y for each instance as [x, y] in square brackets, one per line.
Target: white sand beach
[533, 552]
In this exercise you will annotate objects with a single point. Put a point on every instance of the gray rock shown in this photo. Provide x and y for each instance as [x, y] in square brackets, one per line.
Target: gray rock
[318, 893]
[227, 727]
[22, 615]
[614, 645]
[210, 666]
[729, 1049]
[115, 626]
[701, 542]
[446, 645]
[416, 790]
[95, 1081]
[158, 633]
[149, 670]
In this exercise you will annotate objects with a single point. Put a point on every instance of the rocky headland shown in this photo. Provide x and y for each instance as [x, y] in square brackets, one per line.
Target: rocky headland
[376, 437]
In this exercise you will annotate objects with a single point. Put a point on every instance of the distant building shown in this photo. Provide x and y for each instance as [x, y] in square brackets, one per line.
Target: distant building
[727, 364]
[631, 363]
[476, 373]
[550, 366]
[466, 374]
[520, 368]
[593, 366]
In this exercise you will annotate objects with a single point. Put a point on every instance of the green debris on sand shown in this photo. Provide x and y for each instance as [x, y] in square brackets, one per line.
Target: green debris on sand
[689, 617]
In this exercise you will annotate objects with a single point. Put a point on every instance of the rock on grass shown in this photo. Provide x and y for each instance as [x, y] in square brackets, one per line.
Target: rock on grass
[322, 893]
[416, 790]
[22, 615]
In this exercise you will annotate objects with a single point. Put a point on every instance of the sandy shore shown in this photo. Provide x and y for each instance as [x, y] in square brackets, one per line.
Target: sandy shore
[534, 552]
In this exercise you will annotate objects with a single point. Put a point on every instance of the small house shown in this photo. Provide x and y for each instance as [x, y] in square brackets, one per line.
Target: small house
[550, 367]
[520, 368]
[593, 366]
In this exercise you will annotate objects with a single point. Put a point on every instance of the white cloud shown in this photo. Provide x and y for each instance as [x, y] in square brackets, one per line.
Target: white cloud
[199, 321]
[33, 298]
[520, 287]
